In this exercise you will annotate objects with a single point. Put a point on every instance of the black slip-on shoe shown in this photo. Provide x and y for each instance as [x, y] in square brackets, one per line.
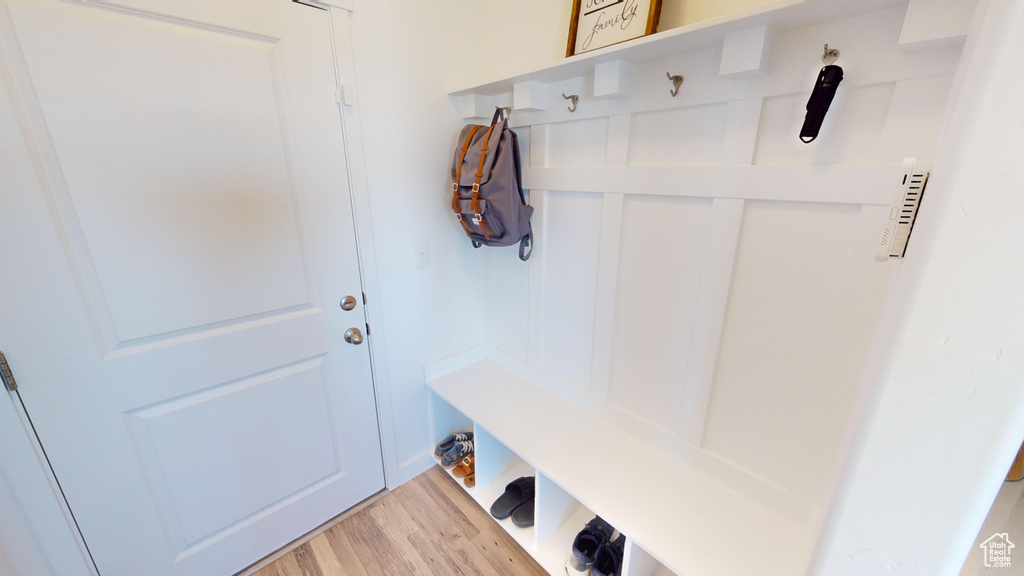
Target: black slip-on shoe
[523, 516]
[516, 494]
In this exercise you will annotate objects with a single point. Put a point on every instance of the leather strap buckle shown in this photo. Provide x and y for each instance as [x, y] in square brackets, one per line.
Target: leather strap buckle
[455, 186]
[476, 187]
[477, 219]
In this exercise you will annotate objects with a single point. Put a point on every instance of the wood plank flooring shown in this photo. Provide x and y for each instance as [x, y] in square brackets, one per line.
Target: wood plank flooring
[427, 526]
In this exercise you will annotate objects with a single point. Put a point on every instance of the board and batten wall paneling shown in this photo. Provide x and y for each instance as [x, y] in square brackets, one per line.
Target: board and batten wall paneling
[663, 244]
[850, 136]
[791, 349]
[577, 143]
[678, 137]
[915, 113]
[703, 279]
[507, 287]
[509, 310]
[570, 259]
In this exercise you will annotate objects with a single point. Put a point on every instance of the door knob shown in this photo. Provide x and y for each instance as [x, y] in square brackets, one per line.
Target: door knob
[354, 336]
[348, 303]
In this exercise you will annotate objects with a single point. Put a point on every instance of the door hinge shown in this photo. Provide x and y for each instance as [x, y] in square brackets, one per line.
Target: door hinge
[903, 212]
[364, 298]
[367, 329]
[6, 375]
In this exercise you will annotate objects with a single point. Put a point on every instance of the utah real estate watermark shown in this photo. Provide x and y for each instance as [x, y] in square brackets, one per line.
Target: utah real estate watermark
[997, 550]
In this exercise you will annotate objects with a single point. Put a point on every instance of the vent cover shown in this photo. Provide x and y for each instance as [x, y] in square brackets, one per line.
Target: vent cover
[903, 213]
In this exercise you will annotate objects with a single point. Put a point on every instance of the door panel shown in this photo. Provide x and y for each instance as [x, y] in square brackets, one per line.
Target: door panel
[217, 178]
[177, 205]
[183, 444]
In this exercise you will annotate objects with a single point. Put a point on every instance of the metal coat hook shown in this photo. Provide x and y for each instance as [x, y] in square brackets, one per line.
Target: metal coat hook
[575, 100]
[830, 56]
[507, 109]
[677, 81]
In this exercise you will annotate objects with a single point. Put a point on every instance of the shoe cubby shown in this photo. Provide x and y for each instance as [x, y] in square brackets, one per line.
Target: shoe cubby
[496, 466]
[447, 420]
[559, 518]
[638, 562]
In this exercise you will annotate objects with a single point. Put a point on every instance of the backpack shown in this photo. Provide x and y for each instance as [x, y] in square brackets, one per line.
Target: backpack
[487, 187]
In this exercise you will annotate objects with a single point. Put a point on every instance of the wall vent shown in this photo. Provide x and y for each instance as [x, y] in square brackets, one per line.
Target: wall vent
[903, 212]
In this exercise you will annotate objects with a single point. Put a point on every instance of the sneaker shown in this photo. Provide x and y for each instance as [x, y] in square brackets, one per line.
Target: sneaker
[596, 533]
[608, 560]
[456, 453]
[450, 441]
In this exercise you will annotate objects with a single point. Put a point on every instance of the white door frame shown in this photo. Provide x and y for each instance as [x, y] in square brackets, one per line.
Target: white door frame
[341, 25]
[38, 534]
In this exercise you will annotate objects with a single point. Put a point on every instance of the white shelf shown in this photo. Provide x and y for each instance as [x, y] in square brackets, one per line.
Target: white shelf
[782, 14]
[687, 522]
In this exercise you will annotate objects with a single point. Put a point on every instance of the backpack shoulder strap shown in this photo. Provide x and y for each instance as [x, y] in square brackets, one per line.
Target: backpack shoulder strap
[462, 157]
[480, 171]
[458, 177]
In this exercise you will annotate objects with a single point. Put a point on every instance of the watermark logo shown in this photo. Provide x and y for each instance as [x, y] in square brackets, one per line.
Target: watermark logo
[997, 550]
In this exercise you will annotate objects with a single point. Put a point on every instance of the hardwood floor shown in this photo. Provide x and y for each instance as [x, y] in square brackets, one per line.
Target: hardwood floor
[427, 526]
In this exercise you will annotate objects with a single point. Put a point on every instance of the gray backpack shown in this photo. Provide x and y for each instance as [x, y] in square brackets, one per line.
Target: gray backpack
[487, 187]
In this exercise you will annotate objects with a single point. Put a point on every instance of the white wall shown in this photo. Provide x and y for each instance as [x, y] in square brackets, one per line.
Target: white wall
[949, 410]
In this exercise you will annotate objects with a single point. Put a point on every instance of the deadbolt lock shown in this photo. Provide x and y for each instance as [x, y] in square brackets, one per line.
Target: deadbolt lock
[354, 336]
[348, 303]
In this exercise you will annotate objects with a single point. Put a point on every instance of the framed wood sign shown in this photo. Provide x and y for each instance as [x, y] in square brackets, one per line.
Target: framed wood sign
[598, 23]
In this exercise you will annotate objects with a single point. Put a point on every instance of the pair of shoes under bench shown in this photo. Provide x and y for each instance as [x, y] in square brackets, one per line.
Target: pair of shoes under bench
[593, 551]
[450, 441]
[517, 502]
[456, 453]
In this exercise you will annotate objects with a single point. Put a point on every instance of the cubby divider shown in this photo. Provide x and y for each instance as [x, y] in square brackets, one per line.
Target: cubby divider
[560, 517]
[638, 562]
[496, 466]
[493, 459]
[446, 419]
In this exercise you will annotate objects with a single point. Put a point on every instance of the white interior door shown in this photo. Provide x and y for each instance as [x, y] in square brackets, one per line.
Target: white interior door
[177, 234]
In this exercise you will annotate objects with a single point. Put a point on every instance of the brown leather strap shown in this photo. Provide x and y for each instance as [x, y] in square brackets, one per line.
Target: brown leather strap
[475, 204]
[465, 148]
[469, 231]
[485, 228]
[458, 170]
